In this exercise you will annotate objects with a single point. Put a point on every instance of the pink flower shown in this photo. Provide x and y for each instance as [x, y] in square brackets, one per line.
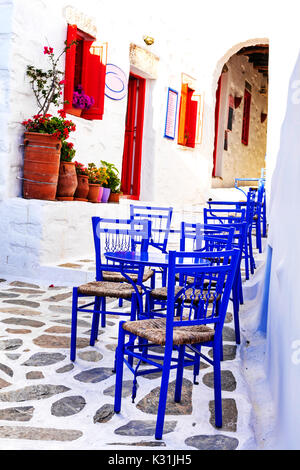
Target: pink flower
[62, 82]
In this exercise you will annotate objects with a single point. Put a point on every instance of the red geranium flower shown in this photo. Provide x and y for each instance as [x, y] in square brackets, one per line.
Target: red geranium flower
[48, 50]
[62, 113]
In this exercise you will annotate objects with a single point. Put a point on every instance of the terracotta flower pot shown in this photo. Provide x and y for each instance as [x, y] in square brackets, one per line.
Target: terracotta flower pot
[93, 192]
[67, 181]
[82, 189]
[114, 197]
[41, 166]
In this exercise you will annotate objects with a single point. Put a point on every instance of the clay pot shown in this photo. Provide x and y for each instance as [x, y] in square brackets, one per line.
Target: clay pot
[41, 166]
[93, 192]
[82, 189]
[105, 195]
[67, 181]
[114, 197]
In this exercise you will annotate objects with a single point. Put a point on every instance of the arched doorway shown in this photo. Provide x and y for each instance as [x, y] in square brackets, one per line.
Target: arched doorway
[241, 96]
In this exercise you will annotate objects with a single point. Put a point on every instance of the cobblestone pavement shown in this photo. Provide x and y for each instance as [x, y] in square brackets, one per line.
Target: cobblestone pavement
[47, 402]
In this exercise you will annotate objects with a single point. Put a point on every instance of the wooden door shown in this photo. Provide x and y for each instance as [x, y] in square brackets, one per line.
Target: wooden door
[217, 118]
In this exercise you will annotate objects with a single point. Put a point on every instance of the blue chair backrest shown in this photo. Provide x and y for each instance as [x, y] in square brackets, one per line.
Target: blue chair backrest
[199, 237]
[119, 235]
[251, 202]
[224, 216]
[206, 301]
[160, 218]
[260, 197]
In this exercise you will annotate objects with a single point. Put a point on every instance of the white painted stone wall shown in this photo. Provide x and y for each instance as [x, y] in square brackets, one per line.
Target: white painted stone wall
[6, 14]
[37, 236]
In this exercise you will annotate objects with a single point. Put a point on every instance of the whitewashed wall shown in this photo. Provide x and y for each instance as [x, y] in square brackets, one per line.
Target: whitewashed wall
[6, 14]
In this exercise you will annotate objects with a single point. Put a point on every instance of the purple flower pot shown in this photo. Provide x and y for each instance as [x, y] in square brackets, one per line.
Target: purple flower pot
[105, 195]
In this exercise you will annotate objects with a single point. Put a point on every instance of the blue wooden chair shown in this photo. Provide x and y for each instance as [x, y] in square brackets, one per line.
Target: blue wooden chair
[259, 215]
[216, 238]
[111, 235]
[160, 218]
[193, 237]
[199, 322]
[231, 215]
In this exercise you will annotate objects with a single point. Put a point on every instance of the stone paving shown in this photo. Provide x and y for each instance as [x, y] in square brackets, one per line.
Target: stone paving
[47, 402]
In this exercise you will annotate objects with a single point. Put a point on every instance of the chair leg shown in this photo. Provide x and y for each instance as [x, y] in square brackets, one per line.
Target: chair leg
[235, 297]
[241, 289]
[217, 386]
[132, 318]
[246, 259]
[152, 281]
[264, 220]
[74, 325]
[197, 364]
[179, 375]
[134, 306]
[258, 235]
[119, 368]
[252, 262]
[103, 314]
[163, 392]
[95, 321]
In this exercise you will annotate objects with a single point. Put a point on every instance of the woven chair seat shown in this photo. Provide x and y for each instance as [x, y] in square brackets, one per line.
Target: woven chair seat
[188, 279]
[191, 280]
[154, 330]
[119, 290]
[161, 293]
[113, 276]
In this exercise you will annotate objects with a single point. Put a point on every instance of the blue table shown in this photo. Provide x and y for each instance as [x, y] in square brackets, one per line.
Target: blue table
[157, 260]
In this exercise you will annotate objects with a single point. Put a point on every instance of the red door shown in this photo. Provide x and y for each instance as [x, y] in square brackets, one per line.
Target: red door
[132, 154]
[217, 117]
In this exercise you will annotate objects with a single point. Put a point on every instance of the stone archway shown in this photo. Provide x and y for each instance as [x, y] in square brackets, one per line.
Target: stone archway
[239, 88]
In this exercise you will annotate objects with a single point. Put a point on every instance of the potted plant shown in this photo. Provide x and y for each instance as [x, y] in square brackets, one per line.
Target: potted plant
[97, 177]
[81, 101]
[43, 139]
[67, 178]
[44, 133]
[114, 182]
[82, 189]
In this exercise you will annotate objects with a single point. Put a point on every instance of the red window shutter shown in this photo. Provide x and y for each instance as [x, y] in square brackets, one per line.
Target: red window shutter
[246, 118]
[192, 122]
[93, 77]
[70, 67]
